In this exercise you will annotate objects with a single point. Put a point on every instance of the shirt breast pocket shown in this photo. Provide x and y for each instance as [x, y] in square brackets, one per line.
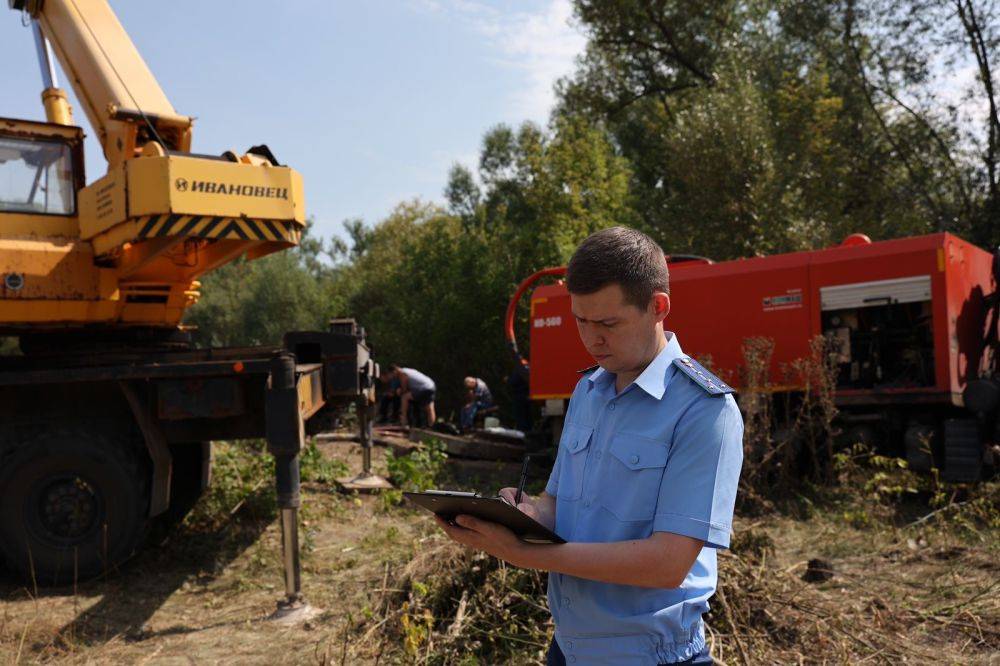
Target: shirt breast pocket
[575, 441]
[634, 473]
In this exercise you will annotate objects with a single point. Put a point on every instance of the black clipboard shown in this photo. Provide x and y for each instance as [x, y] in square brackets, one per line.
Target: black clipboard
[448, 504]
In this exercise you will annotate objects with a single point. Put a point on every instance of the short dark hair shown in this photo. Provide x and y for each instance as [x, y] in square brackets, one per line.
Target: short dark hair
[622, 256]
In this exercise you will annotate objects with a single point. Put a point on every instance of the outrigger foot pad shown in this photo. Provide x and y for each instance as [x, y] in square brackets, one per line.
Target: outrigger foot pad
[364, 483]
[293, 611]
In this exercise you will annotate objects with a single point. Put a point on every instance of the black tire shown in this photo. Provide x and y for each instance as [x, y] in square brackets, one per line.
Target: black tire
[74, 502]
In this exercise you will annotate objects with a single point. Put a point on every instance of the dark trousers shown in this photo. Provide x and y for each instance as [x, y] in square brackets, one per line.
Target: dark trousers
[555, 657]
[388, 408]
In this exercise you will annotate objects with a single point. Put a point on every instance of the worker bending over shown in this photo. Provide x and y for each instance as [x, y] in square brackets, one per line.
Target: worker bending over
[477, 399]
[645, 478]
[415, 388]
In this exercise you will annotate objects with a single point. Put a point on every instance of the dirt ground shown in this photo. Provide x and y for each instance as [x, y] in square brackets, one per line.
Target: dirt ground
[202, 596]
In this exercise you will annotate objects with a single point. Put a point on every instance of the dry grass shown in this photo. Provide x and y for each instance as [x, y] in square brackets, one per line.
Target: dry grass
[395, 592]
[927, 594]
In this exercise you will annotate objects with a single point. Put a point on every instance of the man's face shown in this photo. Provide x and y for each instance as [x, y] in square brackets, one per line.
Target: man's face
[621, 337]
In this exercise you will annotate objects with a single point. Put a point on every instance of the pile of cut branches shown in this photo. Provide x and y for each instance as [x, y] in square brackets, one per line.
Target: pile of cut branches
[448, 604]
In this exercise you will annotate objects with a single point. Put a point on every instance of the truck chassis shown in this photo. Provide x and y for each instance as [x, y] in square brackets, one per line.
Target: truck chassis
[93, 445]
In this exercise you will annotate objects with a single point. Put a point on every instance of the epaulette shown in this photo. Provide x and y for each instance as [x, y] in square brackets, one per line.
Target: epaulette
[702, 377]
[586, 370]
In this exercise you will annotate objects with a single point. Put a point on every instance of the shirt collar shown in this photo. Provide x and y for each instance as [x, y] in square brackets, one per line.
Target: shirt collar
[653, 380]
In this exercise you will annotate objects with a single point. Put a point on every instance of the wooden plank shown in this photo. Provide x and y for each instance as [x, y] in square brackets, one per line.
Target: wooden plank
[472, 447]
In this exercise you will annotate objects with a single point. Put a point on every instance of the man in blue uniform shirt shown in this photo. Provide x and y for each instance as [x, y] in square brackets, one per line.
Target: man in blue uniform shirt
[645, 478]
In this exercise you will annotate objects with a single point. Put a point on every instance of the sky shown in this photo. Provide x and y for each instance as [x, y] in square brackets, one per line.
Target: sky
[372, 102]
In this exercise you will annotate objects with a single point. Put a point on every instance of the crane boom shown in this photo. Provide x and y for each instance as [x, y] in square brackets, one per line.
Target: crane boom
[127, 249]
[120, 96]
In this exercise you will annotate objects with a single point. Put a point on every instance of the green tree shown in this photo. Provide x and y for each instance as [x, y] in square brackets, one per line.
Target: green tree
[431, 285]
[757, 126]
[256, 302]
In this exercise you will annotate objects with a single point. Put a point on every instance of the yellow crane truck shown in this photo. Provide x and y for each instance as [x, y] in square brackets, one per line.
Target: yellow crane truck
[107, 414]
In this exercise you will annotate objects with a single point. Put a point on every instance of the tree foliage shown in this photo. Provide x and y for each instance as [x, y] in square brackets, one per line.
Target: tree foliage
[431, 285]
[256, 302]
[754, 126]
[729, 128]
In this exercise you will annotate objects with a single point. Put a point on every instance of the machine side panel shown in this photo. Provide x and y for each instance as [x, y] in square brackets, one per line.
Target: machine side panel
[968, 277]
[103, 203]
[934, 345]
[556, 350]
[716, 308]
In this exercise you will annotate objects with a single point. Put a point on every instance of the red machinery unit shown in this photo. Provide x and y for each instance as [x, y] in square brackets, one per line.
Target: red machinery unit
[909, 315]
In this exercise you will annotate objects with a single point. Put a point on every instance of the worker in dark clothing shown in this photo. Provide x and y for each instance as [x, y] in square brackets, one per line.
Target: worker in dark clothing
[477, 398]
[389, 402]
[517, 384]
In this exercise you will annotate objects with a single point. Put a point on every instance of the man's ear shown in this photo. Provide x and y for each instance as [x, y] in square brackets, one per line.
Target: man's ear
[661, 305]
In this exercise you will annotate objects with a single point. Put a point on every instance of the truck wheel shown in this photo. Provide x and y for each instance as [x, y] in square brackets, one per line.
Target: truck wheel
[75, 501]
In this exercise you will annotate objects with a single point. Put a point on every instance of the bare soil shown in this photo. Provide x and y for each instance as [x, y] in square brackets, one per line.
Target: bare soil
[923, 594]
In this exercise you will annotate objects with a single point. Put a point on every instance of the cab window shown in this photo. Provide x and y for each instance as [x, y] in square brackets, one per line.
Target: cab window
[36, 176]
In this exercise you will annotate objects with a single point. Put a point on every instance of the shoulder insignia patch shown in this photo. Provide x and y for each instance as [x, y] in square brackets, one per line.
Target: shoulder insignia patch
[586, 370]
[702, 377]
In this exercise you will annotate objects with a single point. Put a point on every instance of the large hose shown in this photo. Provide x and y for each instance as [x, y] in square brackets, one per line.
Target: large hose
[516, 298]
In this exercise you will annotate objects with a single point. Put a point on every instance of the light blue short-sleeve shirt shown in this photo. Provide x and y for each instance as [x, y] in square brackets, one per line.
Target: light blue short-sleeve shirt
[418, 380]
[664, 455]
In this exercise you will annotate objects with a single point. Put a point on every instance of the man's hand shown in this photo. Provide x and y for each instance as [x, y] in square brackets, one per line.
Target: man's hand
[661, 560]
[491, 538]
[541, 508]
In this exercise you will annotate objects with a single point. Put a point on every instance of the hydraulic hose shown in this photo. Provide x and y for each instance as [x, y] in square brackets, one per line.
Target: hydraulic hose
[516, 298]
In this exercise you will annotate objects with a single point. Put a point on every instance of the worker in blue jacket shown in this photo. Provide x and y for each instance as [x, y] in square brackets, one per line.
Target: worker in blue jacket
[477, 399]
[645, 479]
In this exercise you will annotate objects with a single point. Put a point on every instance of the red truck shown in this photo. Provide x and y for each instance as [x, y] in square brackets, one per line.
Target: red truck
[913, 322]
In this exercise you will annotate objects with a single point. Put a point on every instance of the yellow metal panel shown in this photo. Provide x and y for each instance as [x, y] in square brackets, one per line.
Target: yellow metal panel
[148, 186]
[147, 313]
[229, 189]
[166, 194]
[102, 204]
[113, 238]
[51, 269]
[56, 312]
[28, 225]
[310, 391]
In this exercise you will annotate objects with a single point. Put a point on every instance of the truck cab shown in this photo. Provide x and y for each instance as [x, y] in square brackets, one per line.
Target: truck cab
[41, 170]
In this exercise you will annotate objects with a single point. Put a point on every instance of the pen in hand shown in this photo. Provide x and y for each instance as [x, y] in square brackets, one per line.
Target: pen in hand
[524, 477]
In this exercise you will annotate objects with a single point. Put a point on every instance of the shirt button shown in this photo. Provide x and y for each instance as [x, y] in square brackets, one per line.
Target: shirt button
[635, 460]
[565, 601]
[572, 659]
[598, 455]
[611, 406]
[586, 503]
[569, 645]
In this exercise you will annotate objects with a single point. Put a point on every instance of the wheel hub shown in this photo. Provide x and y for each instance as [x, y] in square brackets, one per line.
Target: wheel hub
[68, 508]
